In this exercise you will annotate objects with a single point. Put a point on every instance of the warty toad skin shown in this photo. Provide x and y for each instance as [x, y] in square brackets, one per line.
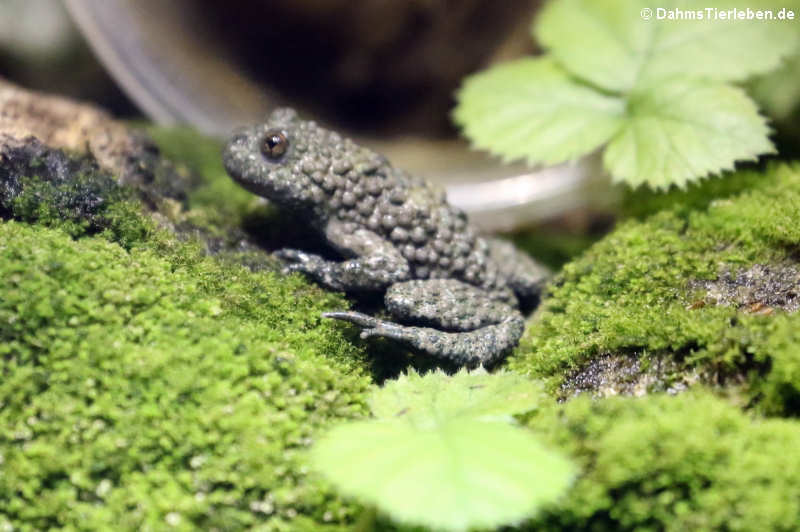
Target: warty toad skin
[451, 293]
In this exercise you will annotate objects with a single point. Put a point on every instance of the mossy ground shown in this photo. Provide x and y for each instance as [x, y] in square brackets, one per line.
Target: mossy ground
[632, 293]
[139, 388]
[672, 463]
[148, 385]
[706, 459]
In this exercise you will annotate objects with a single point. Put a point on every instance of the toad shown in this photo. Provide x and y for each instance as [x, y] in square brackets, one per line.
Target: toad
[450, 292]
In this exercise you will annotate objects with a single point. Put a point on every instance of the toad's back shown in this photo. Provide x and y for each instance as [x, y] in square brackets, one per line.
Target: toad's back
[324, 176]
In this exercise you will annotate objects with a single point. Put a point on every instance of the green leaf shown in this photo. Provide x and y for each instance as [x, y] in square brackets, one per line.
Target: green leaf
[476, 395]
[531, 108]
[597, 41]
[685, 129]
[611, 45]
[653, 87]
[457, 475]
[442, 452]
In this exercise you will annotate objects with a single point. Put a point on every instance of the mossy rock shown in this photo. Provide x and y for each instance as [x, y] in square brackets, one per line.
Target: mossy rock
[705, 284]
[696, 288]
[146, 384]
[140, 390]
[672, 463]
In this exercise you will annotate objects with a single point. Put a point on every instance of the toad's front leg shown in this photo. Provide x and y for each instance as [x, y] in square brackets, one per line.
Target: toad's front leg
[375, 265]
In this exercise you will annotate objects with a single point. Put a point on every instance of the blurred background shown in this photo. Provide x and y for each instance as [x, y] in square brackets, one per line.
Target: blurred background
[381, 70]
[382, 67]
[40, 48]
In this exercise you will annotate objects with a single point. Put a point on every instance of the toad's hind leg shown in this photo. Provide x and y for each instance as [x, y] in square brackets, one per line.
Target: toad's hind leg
[523, 274]
[452, 320]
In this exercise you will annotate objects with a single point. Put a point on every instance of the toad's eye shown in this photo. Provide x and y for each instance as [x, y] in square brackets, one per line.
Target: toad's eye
[274, 144]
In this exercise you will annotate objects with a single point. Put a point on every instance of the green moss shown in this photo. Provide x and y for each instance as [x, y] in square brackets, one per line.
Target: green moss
[631, 293]
[215, 202]
[643, 202]
[157, 385]
[689, 462]
[46, 186]
[119, 217]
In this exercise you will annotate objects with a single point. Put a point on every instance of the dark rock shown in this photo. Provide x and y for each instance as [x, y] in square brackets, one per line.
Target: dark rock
[619, 374]
[757, 289]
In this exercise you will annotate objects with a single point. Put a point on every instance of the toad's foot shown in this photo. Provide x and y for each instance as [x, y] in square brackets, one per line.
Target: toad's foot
[482, 346]
[466, 325]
